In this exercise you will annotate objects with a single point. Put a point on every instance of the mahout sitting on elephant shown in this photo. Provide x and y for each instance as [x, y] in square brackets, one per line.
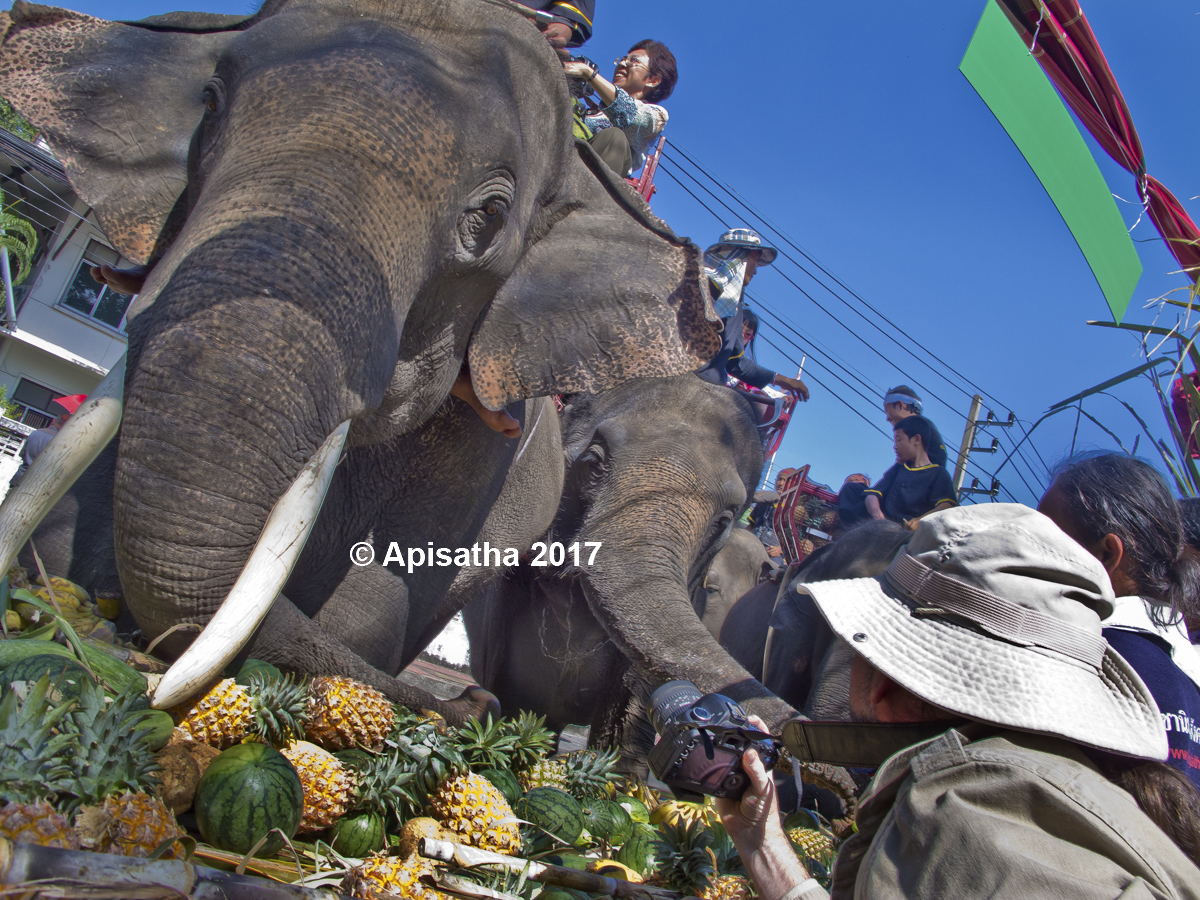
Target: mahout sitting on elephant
[345, 201]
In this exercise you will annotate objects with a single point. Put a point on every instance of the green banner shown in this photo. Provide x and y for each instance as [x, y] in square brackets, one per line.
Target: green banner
[1017, 91]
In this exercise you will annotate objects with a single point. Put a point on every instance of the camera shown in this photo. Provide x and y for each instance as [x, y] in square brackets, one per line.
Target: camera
[701, 742]
[580, 89]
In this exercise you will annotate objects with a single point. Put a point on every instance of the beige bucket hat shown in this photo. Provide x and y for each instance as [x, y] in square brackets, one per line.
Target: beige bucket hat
[992, 612]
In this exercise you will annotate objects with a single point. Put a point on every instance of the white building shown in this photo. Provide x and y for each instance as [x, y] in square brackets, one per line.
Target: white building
[70, 330]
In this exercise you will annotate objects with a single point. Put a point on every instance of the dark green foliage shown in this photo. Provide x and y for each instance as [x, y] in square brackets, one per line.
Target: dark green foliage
[387, 786]
[11, 120]
[108, 757]
[358, 835]
[33, 761]
[355, 759]
[684, 862]
[534, 740]
[19, 237]
[486, 744]
[589, 772]
[280, 706]
[247, 791]
[554, 811]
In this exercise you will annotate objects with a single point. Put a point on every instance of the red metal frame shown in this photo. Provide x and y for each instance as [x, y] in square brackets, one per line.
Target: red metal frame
[645, 184]
[784, 521]
[771, 431]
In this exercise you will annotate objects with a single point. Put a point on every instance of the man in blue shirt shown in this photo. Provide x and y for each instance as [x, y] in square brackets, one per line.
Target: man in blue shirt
[915, 485]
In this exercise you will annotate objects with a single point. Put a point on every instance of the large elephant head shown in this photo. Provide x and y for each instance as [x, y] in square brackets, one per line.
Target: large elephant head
[344, 200]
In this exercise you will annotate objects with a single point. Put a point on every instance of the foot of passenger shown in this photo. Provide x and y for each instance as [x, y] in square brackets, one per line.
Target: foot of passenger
[123, 281]
[497, 420]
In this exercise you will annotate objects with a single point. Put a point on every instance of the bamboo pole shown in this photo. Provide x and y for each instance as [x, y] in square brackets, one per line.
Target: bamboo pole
[47, 872]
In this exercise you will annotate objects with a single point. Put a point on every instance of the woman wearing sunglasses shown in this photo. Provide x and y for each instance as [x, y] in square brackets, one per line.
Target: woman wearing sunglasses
[631, 118]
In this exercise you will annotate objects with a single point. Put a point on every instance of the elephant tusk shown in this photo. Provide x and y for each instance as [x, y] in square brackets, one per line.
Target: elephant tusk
[271, 562]
[65, 458]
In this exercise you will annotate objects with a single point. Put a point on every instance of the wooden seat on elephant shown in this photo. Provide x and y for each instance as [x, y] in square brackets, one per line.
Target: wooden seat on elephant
[795, 491]
[644, 183]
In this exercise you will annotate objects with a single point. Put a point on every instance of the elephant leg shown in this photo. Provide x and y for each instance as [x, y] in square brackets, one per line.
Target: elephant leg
[290, 639]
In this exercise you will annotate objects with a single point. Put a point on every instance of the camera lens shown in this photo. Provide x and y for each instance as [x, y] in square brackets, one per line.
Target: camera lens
[670, 700]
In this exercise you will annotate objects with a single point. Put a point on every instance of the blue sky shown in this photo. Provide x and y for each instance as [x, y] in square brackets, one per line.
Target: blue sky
[851, 128]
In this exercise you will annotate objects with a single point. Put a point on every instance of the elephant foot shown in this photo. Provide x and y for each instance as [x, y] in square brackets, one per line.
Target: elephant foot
[497, 420]
[472, 703]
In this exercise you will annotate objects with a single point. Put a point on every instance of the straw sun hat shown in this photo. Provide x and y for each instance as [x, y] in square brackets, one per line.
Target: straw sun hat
[992, 612]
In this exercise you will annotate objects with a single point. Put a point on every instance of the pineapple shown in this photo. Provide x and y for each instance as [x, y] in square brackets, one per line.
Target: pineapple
[274, 708]
[544, 773]
[727, 887]
[534, 741]
[33, 769]
[813, 844]
[328, 787]
[468, 804]
[683, 812]
[113, 782]
[344, 713]
[486, 744]
[590, 773]
[684, 861]
[386, 786]
[392, 877]
[422, 827]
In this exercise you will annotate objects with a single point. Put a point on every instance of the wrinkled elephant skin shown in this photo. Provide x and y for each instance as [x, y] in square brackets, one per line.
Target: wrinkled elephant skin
[344, 201]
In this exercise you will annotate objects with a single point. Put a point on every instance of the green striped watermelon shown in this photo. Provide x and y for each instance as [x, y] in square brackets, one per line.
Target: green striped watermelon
[606, 821]
[358, 836]
[636, 808]
[67, 677]
[639, 851]
[552, 810]
[247, 791]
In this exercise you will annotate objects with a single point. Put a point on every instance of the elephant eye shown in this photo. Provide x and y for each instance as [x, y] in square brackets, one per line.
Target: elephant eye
[479, 226]
[213, 96]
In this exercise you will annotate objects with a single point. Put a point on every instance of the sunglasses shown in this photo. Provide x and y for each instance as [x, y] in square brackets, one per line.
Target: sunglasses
[631, 61]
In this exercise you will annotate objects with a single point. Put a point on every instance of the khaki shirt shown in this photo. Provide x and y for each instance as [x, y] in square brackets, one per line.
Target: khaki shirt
[1011, 815]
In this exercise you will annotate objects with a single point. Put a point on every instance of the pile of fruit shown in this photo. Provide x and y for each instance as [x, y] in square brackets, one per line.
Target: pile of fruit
[263, 765]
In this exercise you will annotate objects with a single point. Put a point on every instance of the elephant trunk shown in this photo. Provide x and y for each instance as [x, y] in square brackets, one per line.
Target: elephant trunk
[645, 604]
[223, 411]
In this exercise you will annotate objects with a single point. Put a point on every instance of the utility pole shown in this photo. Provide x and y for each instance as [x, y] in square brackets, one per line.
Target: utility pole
[974, 423]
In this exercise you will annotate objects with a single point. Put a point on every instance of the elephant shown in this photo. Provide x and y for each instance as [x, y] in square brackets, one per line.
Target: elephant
[789, 641]
[737, 568]
[347, 207]
[657, 472]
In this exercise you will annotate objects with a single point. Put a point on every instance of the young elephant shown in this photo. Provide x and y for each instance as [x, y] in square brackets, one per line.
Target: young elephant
[657, 472]
[345, 203]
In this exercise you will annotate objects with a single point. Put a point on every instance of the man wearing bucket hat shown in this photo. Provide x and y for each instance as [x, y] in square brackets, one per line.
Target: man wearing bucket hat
[1037, 772]
[730, 263]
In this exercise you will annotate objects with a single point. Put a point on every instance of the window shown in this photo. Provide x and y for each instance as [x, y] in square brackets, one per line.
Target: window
[93, 299]
[34, 400]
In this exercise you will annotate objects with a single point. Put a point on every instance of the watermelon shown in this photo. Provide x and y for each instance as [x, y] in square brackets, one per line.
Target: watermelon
[157, 724]
[248, 790]
[554, 811]
[253, 666]
[568, 861]
[67, 677]
[505, 782]
[358, 835]
[638, 852]
[607, 822]
[638, 811]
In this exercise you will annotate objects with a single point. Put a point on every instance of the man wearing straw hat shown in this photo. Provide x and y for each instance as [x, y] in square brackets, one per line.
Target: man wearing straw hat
[1037, 772]
[730, 263]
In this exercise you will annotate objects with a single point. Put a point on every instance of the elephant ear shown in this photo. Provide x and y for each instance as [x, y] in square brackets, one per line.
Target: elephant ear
[608, 294]
[118, 103]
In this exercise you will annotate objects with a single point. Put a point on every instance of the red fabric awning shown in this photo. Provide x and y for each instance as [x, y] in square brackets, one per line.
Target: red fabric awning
[1068, 51]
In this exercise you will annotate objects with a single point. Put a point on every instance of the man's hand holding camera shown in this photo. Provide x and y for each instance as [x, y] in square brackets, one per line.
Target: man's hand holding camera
[754, 825]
